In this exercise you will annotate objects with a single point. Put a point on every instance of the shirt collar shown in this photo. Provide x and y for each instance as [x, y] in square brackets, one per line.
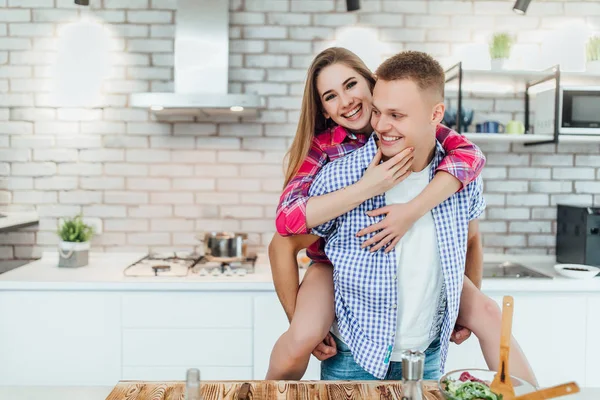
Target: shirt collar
[370, 149]
[340, 134]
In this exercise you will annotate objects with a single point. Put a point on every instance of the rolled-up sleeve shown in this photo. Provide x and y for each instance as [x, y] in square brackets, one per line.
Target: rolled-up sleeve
[477, 201]
[463, 160]
[291, 211]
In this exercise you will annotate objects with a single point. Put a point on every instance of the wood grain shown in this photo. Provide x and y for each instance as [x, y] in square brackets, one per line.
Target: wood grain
[270, 390]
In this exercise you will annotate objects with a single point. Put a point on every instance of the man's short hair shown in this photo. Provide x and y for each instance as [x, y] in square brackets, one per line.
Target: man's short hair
[417, 66]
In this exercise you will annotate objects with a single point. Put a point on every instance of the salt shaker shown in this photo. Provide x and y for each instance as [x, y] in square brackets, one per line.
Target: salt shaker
[192, 385]
[413, 363]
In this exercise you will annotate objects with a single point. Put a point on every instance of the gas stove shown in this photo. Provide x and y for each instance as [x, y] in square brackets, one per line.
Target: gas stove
[179, 264]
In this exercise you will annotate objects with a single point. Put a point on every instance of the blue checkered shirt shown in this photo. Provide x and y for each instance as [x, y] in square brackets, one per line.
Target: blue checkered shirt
[364, 285]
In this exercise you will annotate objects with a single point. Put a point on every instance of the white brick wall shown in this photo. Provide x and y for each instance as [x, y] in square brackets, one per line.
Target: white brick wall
[153, 183]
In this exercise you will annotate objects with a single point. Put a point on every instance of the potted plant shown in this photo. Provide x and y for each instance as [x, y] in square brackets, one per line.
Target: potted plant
[500, 46]
[593, 54]
[74, 247]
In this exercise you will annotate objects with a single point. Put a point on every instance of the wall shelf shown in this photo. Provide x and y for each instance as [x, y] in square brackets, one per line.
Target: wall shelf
[513, 138]
[529, 79]
[509, 83]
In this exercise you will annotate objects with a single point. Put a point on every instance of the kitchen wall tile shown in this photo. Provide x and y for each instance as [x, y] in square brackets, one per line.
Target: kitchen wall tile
[114, 162]
[408, 6]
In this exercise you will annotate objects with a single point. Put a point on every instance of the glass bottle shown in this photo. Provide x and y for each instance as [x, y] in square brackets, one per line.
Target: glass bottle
[192, 385]
[413, 363]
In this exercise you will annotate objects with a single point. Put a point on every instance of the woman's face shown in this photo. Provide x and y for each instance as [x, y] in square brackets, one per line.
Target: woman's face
[345, 97]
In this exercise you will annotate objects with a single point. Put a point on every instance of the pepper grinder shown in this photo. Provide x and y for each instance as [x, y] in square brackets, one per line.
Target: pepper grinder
[192, 385]
[413, 363]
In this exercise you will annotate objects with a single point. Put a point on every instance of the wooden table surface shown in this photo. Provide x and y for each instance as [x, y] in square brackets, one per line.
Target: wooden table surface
[246, 390]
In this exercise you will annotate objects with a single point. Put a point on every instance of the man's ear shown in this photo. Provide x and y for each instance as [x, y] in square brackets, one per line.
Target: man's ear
[438, 113]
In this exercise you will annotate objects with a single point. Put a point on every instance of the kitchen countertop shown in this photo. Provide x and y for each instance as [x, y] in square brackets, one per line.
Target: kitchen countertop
[105, 272]
[102, 392]
[11, 220]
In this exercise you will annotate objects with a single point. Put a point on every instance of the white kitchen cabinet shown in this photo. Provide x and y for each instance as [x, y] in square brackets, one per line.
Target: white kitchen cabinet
[187, 310]
[60, 338]
[551, 330]
[592, 364]
[269, 323]
[166, 333]
[191, 348]
[179, 373]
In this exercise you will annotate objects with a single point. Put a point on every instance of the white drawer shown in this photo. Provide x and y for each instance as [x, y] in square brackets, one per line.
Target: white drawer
[187, 310]
[187, 347]
[178, 373]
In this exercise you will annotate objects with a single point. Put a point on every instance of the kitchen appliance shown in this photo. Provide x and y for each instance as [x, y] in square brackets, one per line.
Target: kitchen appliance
[181, 264]
[578, 111]
[224, 246]
[578, 235]
[214, 267]
[201, 67]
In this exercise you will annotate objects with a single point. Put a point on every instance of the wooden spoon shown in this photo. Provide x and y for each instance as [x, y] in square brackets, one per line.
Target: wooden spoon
[551, 392]
[502, 384]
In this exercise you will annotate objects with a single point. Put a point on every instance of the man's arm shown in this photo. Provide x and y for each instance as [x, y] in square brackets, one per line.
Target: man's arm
[283, 253]
[474, 257]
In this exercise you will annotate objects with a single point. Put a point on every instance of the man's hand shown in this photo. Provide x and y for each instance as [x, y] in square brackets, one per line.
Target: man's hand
[399, 219]
[326, 349]
[460, 334]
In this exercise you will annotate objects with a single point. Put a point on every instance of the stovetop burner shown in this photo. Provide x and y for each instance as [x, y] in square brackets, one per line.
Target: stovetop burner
[188, 263]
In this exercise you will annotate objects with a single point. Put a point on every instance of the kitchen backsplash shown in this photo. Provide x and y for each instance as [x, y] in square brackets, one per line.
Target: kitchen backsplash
[155, 184]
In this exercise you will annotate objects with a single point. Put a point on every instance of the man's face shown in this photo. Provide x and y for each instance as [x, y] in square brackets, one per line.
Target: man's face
[403, 116]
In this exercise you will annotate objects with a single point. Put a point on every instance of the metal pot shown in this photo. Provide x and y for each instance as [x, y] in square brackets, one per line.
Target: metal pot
[224, 246]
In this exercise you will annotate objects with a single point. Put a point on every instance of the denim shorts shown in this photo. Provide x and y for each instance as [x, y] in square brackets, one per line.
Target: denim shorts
[343, 367]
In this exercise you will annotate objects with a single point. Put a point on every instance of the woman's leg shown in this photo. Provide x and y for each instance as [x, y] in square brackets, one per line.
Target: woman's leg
[310, 324]
[483, 317]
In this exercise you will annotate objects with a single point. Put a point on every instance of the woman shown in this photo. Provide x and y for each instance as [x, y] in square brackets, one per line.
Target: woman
[337, 107]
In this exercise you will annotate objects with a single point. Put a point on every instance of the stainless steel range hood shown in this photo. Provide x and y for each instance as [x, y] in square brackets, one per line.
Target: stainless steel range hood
[201, 66]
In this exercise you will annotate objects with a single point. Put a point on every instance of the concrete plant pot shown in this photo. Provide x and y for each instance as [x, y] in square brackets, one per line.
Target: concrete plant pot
[73, 254]
[593, 66]
[498, 64]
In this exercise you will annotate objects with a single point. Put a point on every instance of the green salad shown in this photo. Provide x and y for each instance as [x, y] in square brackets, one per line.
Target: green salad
[469, 388]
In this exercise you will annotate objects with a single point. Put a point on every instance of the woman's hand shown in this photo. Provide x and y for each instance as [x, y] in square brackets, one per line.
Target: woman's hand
[326, 349]
[379, 178]
[399, 218]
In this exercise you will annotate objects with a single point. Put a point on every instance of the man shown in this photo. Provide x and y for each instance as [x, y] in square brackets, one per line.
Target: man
[407, 298]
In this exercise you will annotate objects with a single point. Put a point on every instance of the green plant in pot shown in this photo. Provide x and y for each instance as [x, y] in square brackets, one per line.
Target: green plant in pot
[593, 53]
[74, 246]
[500, 47]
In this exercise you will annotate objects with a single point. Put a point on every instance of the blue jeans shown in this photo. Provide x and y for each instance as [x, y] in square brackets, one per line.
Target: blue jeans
[343, 367]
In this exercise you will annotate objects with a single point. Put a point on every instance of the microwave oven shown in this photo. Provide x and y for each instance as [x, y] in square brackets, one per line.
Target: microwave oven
[578, 111]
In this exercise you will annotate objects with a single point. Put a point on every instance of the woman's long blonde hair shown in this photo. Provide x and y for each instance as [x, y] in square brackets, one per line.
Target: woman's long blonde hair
[311, 114]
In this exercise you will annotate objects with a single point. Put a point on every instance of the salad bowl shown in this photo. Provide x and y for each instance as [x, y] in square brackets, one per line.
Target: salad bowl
[473, 384]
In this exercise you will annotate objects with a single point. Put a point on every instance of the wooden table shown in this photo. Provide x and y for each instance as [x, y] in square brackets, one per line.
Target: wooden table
[267, 390]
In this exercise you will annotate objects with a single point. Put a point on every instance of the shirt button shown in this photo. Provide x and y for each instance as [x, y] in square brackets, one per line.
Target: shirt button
[395, 277]
[394, 306]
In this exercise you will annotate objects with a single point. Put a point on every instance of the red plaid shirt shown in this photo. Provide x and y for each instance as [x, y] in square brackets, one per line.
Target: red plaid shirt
[463, 160]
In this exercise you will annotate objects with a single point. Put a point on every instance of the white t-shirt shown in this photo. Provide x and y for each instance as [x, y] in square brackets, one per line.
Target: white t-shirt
[420, 278]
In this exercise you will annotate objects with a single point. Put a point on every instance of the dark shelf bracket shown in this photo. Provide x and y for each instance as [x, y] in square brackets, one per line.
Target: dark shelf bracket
[452, 73]
[553, 75]
[456, 72]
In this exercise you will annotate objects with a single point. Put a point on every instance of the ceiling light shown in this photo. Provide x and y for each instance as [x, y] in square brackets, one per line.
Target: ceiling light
[520, 6]
[157, 108]
[82, 2]
[352, 5]
[236, 108]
